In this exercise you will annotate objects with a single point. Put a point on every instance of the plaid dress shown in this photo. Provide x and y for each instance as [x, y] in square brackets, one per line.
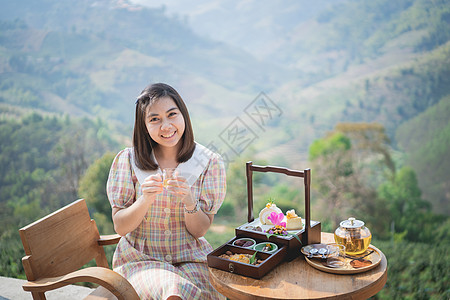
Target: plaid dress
[161, 258]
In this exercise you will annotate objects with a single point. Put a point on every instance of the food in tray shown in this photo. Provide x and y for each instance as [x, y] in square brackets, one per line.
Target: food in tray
[277, 230]
[264, 214]
[360, 263]
[293, 221]
[242, 258]
[255, 228]
[244, 242]
[266, 247]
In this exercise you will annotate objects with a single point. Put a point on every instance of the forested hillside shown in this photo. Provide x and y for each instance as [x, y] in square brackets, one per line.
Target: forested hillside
[426, 139]
[42, 160]
[95, 58]
[359, 91]
[399, 68]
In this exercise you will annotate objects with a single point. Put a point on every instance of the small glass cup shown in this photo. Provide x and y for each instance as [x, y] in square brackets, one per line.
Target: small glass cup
[336, 256]
[168, 174]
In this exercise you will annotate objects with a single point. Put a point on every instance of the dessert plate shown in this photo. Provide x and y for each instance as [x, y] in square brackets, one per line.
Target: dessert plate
[257, 223]
[352, 265]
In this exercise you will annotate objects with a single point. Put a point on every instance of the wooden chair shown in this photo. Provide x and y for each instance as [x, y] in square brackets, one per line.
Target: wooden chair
[60, 244]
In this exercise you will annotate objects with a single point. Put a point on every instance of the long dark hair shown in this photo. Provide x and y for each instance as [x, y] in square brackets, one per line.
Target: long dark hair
[143, 143]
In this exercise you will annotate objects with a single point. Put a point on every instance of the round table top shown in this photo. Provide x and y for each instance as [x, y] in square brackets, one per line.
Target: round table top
[298, 280]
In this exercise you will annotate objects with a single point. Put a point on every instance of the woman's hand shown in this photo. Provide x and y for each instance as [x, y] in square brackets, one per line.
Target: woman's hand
[197, 223]
[152, 186]
[128, 219]
[178, 185]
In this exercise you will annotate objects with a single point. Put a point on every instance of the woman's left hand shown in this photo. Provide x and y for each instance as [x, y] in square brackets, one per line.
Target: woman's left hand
[178, 185]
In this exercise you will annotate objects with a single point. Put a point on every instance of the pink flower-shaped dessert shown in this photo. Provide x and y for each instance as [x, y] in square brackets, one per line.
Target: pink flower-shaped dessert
[277, 219]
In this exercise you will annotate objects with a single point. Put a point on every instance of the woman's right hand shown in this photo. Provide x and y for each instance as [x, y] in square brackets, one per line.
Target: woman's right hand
[128, 219]
[152, 186]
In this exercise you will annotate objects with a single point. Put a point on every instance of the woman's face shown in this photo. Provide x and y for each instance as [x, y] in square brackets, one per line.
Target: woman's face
[165, 123]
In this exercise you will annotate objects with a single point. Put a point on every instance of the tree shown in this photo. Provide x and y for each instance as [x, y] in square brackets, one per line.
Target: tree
[33, 181]
[406, 206]
[75, 151]
[330, 170]
[93, 189]
[347, 166]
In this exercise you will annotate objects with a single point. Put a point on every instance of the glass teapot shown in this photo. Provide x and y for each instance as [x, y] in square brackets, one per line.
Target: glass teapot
[353, 235]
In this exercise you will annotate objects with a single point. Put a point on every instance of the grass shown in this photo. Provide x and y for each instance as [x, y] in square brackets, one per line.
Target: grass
[220, 232]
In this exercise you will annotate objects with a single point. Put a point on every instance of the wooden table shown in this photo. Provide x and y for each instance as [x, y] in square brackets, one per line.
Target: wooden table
[298, 280]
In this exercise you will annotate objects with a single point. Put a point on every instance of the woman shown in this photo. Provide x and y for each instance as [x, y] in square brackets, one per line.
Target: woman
[162, 251]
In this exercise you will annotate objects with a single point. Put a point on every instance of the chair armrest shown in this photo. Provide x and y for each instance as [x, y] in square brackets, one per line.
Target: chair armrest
[110, 239]
[112, 281]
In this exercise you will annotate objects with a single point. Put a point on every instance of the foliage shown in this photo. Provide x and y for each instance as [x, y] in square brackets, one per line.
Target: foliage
[235, 197]
[333, 143]
[287, 194]
[41, 161]
[92, 187]
[350, 180]
[418, 251]
[11, 253]
[92, 59]
[353, 21]
[401, 93]
[54, 62]
[426, 139]
[415, 15]
[234, 206]
[354, 32]
[406, 206]
[416, 270]
[347, 164]
[219, 233]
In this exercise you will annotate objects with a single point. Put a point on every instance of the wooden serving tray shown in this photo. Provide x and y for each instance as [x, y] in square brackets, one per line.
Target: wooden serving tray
[271, 260]
[289, 246]
[320, 264]
[293, 245]
[310, 234]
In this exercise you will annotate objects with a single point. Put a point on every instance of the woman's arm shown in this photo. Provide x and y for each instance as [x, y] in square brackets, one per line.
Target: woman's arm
[199, 222]
[128, 219]
[213, 194]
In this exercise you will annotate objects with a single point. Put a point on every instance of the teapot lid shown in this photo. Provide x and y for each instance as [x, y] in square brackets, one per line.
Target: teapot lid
[352, 223]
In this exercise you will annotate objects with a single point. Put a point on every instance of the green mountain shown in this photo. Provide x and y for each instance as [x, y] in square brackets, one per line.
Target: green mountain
[319, 64]
[93, 59]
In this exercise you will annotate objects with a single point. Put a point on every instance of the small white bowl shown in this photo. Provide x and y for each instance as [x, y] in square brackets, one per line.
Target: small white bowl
[245, 240]
[260, 246]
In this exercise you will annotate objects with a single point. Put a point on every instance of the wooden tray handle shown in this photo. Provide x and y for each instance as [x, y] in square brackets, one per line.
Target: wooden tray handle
[305, 174]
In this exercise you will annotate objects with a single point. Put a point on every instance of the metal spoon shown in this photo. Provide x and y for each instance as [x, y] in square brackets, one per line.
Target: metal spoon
[324, 252]
[312, 252]
[361, 257]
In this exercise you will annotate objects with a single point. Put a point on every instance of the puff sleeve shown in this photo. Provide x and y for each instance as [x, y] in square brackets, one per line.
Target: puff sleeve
[213, 188]
[120, 186]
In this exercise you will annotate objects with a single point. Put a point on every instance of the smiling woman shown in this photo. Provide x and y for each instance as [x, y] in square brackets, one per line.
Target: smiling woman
[165, 125]
[163, 251]
[157, 103]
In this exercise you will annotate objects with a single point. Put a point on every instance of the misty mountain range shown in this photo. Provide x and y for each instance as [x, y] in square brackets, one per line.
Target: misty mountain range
[318, 62]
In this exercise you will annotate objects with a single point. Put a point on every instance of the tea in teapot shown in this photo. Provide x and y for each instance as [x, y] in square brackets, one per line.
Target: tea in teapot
[353, 235]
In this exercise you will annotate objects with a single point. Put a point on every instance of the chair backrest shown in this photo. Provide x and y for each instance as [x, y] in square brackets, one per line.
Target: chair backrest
[61, 242]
